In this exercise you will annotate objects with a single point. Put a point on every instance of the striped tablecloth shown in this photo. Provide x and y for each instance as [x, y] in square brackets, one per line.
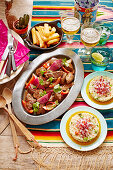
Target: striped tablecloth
[49, 134]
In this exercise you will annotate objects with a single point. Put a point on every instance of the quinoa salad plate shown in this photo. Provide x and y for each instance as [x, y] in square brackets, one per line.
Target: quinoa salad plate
[83, 128]
[97, 90]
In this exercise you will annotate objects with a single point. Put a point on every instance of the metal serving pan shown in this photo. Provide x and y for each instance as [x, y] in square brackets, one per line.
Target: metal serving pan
[64, 105]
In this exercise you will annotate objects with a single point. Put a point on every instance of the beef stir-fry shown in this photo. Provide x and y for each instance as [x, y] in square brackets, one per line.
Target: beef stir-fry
[48, 86]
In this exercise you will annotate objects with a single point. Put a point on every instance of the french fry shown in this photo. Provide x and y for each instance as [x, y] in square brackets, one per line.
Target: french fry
[50, 28]
[41, 42]
[40, 30]
[34, 37]
[45, 36]
[39, 26]
[53, 30]
[53, 36]
[50, 42]
[46, 30]
[55, 43]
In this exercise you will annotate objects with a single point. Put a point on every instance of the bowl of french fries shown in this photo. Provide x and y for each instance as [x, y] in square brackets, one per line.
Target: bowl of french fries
[44, 36]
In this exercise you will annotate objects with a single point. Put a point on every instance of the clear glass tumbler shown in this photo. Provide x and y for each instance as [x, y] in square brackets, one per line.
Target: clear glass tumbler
[90, 36]
[107, 56]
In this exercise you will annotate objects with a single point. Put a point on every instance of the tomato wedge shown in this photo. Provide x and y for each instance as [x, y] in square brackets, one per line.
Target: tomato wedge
[30, 81]
[24, 105]
[46, 65]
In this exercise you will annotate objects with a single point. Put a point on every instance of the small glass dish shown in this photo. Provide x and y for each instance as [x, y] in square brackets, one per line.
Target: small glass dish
[107, 56]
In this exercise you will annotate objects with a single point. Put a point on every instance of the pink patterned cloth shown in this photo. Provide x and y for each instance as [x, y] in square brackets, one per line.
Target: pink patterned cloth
[21, 52]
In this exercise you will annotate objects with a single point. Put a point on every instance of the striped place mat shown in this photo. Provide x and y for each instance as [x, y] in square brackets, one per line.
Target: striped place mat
[49, 133]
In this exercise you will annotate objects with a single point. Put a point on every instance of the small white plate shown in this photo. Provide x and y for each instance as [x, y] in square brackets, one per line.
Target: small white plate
[85, 96]
[76, 146]
[19, 68]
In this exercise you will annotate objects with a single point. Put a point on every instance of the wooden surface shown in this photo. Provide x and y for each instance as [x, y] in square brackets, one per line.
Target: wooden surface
[7, 152]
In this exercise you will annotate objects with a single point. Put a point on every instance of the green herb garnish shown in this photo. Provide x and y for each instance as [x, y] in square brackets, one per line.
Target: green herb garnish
[64, 61]
[36, 107]
[34, 87]
[56, 102]
[57, 88]
[42, 72]
[85, 139]
[42, 93]
[90, 138]
[41, 82]
[51, 79]
[49, 71]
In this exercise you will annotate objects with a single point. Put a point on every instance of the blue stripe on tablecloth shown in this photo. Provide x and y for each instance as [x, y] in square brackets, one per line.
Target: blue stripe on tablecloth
[46, 13]
[54, 3]
[55, 125]
[51, 125]
[108, 4]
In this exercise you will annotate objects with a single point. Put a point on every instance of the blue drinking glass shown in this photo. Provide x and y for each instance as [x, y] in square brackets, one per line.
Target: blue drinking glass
[107, 54]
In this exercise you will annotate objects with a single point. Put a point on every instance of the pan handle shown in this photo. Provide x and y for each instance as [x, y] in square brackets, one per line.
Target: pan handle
[56, 22]
[27, 41]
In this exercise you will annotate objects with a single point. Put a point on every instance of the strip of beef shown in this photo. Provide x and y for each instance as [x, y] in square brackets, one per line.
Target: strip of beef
[31, 89]
[29, 97]
[37, 93]
[40, 70]
[69, 77]
[41, 110]
[29, 101]
[45, 82]
[66, 86]
[70, 66]
[59, 97]
[63, 78]
[54, 74]
[29, 105]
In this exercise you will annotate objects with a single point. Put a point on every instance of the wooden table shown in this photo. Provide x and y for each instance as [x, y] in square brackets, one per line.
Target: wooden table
[7, 152]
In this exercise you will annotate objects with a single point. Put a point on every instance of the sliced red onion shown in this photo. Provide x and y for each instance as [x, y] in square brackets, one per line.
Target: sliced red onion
[56, 65]
[44, 99]
[36, 82]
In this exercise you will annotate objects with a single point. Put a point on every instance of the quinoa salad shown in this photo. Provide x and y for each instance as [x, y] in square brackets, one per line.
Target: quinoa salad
[84, 127]
[101, 88]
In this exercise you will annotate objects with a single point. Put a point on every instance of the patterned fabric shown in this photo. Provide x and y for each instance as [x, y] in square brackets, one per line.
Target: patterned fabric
[49, 134]
[87, 3]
